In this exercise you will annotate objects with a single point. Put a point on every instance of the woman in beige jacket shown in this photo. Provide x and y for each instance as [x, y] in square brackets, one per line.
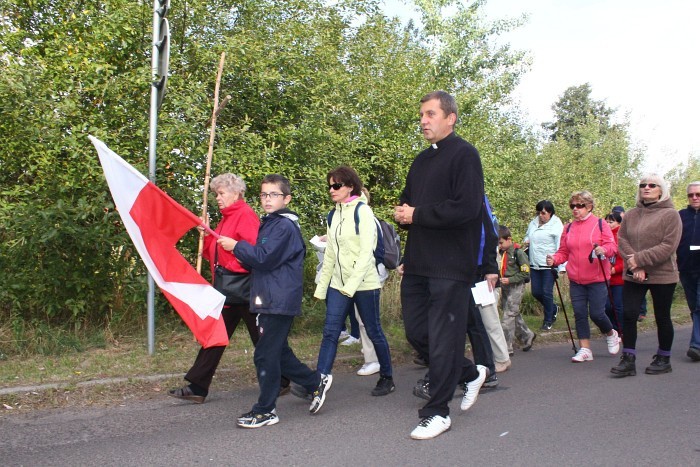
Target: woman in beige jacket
[648, 238]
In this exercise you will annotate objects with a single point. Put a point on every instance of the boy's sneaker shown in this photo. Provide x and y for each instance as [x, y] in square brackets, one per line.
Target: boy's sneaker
[385, 386]
[471, 389]
[583, 355]
[319, 395]
[613, 341]
[529, 342]
[256, 420]
[430, 427]
[422, 389]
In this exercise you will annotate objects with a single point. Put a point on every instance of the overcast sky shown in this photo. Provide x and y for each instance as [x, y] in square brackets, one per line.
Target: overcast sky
[640, 57]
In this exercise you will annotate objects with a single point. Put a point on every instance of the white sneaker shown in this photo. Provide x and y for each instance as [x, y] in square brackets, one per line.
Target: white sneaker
[350, 341]
[343, 335]
[583, 355]
[471, 389]
[369, 369]
[432, 426]
[613, 341]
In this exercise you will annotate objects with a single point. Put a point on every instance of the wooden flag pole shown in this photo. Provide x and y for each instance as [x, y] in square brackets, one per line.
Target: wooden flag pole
[210, 154]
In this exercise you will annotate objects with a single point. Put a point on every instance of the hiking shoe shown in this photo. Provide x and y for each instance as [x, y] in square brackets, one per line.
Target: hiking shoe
[613, 342]
[350, 341]
[385, 385]
[528, 345]
[319, 395]
[694, 354]
[471, 389]
[430, 427]
[502, 366]
[583, 355]
[659, 365]
[546, 326]
[256, 420]
[368, 369]
[301, 392]
[626, 367]
[490, 383]
[422, 389]
[186, 393]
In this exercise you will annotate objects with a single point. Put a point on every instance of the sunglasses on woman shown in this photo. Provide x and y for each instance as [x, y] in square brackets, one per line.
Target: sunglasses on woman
[650, 185]
[577, 205]
[336, 186]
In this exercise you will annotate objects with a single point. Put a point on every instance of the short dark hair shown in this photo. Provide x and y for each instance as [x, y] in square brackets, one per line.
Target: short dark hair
[448, 104]
[614, 216]
[347, 176]
[504, 232]
[281, 181]
[546, 205]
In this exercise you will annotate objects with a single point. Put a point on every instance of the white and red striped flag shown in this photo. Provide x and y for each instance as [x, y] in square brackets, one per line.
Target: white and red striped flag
[155, 223]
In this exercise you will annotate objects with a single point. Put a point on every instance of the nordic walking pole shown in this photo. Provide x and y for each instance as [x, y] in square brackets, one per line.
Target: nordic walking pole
[610, 297]
[563, 308]
[210, 153]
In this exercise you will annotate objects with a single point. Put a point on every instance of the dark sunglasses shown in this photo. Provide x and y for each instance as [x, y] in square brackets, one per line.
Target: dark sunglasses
[693, 195]
[650, 185]
[577, 205]
[336, 186]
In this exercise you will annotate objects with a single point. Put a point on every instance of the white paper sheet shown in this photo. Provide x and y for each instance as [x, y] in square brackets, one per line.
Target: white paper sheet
[482, 294]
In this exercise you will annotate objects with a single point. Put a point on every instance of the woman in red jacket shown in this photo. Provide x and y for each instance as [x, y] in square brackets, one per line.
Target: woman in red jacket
[582, 242]
[614, 219]
[239, 222]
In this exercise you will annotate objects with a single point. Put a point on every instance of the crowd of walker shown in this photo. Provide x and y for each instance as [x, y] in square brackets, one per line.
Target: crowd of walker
[452, 242]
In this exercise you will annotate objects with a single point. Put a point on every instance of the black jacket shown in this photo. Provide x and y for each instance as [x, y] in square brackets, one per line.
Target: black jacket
[689, 261]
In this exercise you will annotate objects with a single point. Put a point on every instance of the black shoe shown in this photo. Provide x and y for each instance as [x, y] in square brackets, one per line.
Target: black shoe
[385, 385]
[320, 393]
[187, 393]
[528, 344]
[546, 326]
[659, 365]
[490, 383]
[256, 420]
[420, 361]
[556, 312]
[626, 367]
[301, 392]
[422, 389]
[694, 354]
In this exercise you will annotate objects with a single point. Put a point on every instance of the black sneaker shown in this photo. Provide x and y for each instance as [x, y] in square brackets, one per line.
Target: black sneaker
[319, 396]
[256, 420]
[385, 385]
[490, 383]
[422, 389]
[546, 326]
[556, 312]
[694, 354]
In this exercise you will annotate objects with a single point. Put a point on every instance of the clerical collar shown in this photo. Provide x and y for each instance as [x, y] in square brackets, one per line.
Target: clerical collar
[434, 146]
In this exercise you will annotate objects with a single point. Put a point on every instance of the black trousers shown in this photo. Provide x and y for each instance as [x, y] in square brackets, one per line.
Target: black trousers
[633, 294]
[204, 367]
[435, 319]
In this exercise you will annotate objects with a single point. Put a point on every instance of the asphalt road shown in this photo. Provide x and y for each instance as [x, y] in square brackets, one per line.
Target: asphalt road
[546, 411]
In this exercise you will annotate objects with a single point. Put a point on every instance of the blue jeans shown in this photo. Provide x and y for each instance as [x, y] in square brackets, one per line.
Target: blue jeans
[691, 286]
[617, 317]
[338, 306]
[542, 285]
[588, 300]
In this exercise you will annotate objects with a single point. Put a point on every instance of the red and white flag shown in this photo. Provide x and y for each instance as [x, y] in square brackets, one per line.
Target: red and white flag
[155, 223]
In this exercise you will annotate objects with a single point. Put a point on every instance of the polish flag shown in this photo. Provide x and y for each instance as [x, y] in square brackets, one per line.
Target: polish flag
[155, 223]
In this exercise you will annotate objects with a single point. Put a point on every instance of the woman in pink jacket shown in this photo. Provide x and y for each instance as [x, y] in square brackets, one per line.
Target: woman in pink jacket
[583, 241]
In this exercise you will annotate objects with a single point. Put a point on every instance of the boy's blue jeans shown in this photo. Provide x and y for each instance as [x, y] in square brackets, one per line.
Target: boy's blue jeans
[273, 357]
[337, 308]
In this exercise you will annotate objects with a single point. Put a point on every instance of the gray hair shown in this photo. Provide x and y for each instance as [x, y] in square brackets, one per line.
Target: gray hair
[228, 182]
[696, 183]
[585, 196]
[659, 180]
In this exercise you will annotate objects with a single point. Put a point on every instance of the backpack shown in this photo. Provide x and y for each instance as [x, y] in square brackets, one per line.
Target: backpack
[388, 250]
[517, 262]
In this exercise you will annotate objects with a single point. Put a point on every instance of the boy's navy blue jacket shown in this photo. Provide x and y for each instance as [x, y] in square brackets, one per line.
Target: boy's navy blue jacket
[689, 261]
[277, 264]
